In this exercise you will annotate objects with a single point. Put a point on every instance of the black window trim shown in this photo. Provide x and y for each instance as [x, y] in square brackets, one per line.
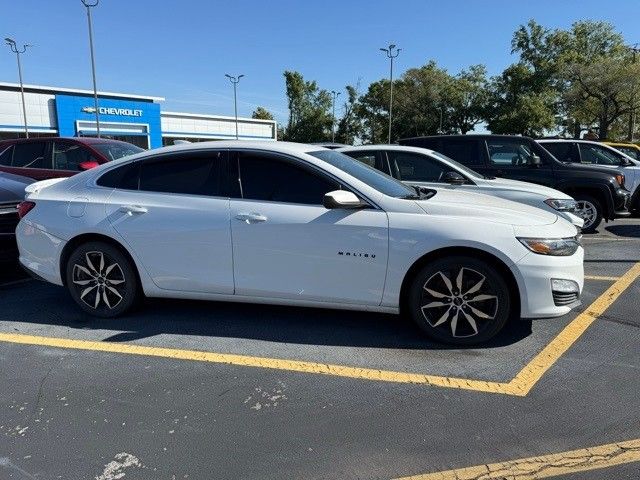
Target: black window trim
[166, 155]
[299, 163]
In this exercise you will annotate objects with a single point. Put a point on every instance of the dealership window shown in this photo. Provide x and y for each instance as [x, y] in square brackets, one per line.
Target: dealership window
[30, 155]
[68, 156]
[266, 177]
[183, 174]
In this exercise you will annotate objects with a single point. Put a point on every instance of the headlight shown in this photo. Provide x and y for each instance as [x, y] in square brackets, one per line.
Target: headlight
[556, 247]
[562, 205]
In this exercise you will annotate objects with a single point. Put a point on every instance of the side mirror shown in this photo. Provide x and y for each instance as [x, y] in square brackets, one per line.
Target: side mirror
[88, 165]
[342, 199]
[453, 178]
[535, 160]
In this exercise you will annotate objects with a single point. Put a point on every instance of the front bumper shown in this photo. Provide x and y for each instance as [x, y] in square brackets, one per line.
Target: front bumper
[39, 252]
[534, 274]
[622, 203]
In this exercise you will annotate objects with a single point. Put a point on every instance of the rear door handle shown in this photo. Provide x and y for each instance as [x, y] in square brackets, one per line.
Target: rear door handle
[251, 217]
[132, 209]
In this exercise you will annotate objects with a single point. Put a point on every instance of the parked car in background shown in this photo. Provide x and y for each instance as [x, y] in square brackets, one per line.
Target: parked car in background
[427, 168]
[630, 149]
[293, 224]
[11, 194]
[330, 145]
[600, 192]
[53, 157]
[597, 153]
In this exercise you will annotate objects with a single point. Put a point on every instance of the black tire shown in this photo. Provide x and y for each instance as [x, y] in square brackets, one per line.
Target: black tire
[102, 279]
[586, 204]
[435, 301]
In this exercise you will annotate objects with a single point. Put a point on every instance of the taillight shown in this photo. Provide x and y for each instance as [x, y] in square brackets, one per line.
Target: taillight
[620, 179]
[24, 208]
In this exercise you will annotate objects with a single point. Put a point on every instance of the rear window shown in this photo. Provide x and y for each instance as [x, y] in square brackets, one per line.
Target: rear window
[125, 177]
[30, 155]
[5, 155]
[114, 151]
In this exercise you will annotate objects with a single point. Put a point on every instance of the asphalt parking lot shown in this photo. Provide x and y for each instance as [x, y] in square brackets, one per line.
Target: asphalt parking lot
[226, 391]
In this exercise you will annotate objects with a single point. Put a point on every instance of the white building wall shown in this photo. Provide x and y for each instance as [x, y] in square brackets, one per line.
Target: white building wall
[179, 125]
[41, 112]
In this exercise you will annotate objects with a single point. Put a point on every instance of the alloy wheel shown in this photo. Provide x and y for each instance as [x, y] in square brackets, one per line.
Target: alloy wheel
[587, 211]
[463, 302]
[99, 281]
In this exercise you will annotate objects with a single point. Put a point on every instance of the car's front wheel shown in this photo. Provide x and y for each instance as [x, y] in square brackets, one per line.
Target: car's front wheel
[590, 210]
[459, 300]
[101, 279]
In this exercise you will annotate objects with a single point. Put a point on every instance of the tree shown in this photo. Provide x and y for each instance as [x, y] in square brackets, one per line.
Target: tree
[350, 125]
[373, 112]
[309, 110]
[465, 100]
[261, 113]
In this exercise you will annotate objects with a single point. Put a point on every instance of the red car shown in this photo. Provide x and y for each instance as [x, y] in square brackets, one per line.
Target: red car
[53, 157]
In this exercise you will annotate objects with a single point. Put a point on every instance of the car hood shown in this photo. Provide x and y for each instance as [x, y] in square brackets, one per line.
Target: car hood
[454, 203]
[518, 186]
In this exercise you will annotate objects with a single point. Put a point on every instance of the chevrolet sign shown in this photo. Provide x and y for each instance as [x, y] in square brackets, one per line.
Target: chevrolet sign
[124, 112]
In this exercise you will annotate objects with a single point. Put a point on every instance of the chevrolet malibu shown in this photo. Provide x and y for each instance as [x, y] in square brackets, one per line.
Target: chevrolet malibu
[293, 224]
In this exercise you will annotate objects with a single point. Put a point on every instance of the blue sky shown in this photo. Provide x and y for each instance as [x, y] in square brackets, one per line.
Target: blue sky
[182, 49]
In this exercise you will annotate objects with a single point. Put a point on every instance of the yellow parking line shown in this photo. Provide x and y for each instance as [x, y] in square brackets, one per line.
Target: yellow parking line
[565, 463]
[520, 385]
[600, 277]
[536, 368]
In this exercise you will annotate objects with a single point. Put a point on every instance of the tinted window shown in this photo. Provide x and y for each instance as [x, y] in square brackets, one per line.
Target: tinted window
[194, 174]
[124, 177]
[561, 150]
[630, 151]
[464, 151]
[372, 177]
[30, 155]
[368, 158]
[598, 155]
[114, 151]
[69, 156]
[412, 166]
[5, 156]
[509, 152]
[267, 177]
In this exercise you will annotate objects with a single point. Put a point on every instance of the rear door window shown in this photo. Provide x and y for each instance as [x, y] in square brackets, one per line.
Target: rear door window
[503, 153]
[413, 166]
[30, 155]
[466, 152]
[191, 174]
[5, 156]
[563, 151]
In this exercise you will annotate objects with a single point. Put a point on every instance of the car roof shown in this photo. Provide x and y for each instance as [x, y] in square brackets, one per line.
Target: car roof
[470, 135]
[399, 148]
[280, 147]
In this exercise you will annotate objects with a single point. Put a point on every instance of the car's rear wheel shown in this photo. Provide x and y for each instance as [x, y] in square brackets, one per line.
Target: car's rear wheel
[101, 279]
[590, 210]
[459, 300]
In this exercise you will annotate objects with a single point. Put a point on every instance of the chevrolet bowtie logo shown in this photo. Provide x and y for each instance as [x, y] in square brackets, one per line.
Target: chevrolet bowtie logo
[89, 109]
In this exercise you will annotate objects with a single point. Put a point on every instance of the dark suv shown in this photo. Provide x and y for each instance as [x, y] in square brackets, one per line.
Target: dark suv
[600, 192]
[53, 157]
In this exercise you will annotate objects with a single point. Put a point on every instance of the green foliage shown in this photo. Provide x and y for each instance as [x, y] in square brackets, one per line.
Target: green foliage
[261, 113]
[309, 116]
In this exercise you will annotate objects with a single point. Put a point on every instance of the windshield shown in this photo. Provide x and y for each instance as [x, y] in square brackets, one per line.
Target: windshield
[114, 151]
[466, 170]
[372, 177]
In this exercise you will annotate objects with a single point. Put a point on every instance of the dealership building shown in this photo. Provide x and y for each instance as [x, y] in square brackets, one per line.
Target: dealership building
[137, 119]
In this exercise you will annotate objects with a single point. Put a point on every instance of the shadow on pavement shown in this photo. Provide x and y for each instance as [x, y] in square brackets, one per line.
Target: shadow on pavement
[630, 231]
[307, 326]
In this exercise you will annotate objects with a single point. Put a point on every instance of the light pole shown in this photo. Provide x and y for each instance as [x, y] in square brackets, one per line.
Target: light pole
[389, 52]
[89, 6]
[632, 115]
[333, 115]
[18, 51]
[235, 81]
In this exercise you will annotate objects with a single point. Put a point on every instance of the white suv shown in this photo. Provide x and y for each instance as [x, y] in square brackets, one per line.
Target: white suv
[428, 168]
[295, 224]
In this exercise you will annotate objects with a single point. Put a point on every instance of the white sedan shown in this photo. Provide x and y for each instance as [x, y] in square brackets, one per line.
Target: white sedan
[424, 167]
[293, 224]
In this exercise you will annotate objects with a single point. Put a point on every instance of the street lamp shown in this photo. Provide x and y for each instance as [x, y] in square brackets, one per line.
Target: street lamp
[333, 116]
[89, 6]
[389, 52]
[632, 115]
[235, 81]
[14, 48]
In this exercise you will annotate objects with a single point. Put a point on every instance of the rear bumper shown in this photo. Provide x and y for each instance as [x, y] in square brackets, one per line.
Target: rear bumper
[39, 252]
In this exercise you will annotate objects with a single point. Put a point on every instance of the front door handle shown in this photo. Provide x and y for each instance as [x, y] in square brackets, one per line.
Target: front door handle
[251, 217]
[132, 209]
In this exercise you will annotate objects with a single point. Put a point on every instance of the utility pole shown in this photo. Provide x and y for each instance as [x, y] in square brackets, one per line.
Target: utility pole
[19, 51]
[235, 81]
[89, 6]
[389, 52]
[632, 115]
[333, 115]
